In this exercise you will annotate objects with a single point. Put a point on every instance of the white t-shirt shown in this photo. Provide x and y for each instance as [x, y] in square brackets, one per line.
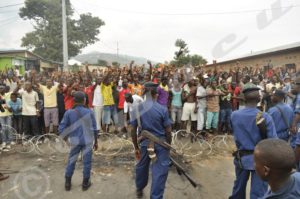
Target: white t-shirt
[98, 98]
[201, 92]
[129, 106]
[29, 101]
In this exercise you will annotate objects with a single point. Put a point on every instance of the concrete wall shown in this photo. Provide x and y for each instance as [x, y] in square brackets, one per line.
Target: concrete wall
[9, 62]
[277, 60]
[5, 61]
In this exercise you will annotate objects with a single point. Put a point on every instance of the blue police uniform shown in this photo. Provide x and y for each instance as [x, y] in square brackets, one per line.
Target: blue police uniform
[247, 135]
[281, 127]
[79, 125]
[290, 190]
[154, 118]
[296, 108]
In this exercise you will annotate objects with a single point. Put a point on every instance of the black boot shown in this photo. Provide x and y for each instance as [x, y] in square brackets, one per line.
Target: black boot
[86, 184]
[68, 184]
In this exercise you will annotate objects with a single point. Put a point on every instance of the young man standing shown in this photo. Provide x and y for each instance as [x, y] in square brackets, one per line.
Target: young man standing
[50, 105]
[163, 92]
[122, 100]
[109, 109]
[15, 107]
[202, 108]
[29, 109]
[189, 108]
[98, 103]
[5, 119]
[213, 107]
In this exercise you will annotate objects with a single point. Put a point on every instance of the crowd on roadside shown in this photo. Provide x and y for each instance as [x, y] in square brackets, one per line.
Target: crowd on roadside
[205, 98]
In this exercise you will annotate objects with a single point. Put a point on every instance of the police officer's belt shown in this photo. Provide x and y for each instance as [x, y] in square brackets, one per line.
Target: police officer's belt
[241, 153]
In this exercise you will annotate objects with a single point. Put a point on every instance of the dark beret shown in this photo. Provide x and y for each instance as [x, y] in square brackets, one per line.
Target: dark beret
[250, 89]
[279, 93]
[78, 96]
[150, 85]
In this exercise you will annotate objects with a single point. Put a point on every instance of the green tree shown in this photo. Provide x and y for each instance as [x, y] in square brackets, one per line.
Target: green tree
[197, 60]
[115, 64]
[183, 49]
[102, 62]
[182, 56]
[46, 39]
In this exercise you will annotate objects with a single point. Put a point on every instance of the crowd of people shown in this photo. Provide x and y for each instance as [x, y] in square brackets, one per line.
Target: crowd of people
[206, 99]
[253, 103]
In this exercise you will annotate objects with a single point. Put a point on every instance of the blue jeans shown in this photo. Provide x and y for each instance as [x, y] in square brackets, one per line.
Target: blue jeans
[212, 120]
[108, 112]
[87, 152]
[6, 135]
[225, 116]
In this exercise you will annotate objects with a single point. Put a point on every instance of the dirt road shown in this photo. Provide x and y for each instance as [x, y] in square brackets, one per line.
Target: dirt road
[38, 178]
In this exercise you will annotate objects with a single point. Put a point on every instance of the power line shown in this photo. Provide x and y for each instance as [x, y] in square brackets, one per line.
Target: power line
[191, 14]
[9, 19]
[7, 11]
[11, 5]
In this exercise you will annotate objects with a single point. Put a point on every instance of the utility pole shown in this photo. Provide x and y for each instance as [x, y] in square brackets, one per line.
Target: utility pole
[65, 38]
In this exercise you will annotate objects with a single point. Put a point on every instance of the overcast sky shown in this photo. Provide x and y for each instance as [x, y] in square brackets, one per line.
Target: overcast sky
[149, 28]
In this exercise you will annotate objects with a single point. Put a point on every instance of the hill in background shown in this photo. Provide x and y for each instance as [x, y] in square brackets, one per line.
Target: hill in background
[93, 57]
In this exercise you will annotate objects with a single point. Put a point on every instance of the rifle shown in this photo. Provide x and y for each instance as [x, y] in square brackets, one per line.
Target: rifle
[179, 168]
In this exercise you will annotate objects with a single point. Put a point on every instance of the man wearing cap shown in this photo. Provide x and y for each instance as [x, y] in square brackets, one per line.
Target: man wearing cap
[153, 117]
[282, 115]
[247, 126]
[80, 128]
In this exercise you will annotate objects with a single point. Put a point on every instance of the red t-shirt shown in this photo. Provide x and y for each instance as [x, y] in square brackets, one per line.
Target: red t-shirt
[89, 91]
[69, 101]
[122, 97]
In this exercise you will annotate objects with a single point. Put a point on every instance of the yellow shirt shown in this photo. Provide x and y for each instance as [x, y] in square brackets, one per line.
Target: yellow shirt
[50, 96]
[6, 96]
[107, 94]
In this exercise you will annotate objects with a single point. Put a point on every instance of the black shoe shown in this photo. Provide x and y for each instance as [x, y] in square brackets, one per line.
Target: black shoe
[68, 184]
[139, 193]
[86, 184]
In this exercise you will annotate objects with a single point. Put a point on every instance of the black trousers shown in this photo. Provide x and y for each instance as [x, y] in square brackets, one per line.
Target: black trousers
[30, 124]
[17, 123]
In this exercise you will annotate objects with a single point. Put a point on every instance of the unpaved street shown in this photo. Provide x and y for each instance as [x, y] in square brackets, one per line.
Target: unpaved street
[39, 177]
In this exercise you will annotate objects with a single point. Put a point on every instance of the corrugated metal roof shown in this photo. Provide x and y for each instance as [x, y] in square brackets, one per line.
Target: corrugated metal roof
[263, 52]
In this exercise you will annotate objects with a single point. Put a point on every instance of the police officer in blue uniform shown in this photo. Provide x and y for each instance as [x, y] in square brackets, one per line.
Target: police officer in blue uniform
[79, 127]
[249, 126]
[282, 115]
[295, 138]
[154, 118]
[296, 121]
